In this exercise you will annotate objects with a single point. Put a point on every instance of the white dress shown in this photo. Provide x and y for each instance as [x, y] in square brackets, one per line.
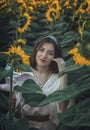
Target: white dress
[52, 109]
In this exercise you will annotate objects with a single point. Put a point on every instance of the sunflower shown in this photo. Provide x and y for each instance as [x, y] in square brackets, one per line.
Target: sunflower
[33, 3]
[26, 25]
[22, 41]
[68, 2]
[80, 30]
[23, 3]
[30, 8]
[56, 5]
[52, 14]
[78, 57]
[17, 56]
[84, 7]
[48, 2]
[4, 5]
[20, 1]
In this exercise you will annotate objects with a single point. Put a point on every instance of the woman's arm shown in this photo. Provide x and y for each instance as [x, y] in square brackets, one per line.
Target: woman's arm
[16, 111]
[63, 81]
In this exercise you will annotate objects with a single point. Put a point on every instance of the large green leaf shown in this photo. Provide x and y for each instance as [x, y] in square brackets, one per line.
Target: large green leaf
[72, 68]
[29, 86]
[16, 124]
[24, 68]
[78, 115]
[2, 117]
[68, 41]
[31, 92]
[66, 94]
[33, 98]
[4, 106]
[21, 124]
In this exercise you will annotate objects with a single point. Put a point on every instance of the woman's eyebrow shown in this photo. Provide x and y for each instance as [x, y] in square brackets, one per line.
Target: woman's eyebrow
[48, 50]
[51, 51]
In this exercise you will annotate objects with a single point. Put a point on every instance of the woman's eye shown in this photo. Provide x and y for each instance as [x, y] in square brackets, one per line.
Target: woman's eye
[50, 53]
[41, 49]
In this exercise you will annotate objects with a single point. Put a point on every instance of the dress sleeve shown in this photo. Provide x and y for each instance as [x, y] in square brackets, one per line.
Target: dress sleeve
[18, 79]
[6, 86]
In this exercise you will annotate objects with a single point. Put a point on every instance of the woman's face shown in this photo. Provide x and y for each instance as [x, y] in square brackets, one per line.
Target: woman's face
[45, 55]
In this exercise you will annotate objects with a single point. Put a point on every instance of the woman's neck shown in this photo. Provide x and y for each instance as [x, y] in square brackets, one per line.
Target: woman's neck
[42, 75]
[43, 69]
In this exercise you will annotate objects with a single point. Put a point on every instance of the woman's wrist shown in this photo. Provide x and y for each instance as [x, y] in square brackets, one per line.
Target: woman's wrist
[61, 68]
[17, 111]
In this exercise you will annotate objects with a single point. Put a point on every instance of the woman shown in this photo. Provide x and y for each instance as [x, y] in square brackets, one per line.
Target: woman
[46, 62]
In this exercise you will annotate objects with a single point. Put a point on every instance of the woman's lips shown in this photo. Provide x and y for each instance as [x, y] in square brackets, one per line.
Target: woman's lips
[42, 60]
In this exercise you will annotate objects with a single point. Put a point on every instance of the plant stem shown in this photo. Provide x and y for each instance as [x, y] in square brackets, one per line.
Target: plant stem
[10, 98]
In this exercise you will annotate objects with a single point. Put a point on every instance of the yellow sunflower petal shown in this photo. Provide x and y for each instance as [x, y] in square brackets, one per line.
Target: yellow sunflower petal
[18, 51]
[26, 25]
[50, 12]
[78, 58]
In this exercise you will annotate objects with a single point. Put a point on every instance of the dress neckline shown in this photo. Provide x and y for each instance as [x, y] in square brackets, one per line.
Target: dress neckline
[37, 81]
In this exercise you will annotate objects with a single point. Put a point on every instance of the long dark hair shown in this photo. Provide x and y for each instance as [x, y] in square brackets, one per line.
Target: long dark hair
[58, 52]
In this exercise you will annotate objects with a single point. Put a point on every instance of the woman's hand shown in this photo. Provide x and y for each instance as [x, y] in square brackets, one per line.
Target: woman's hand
[61, 66]
[61, 63]
[16, 111]
[63, 81]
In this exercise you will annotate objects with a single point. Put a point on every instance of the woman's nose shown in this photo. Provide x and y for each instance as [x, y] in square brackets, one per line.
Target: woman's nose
[44, 55]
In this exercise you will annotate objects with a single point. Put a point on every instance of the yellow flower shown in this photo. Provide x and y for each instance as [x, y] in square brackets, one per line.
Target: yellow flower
[23, 3]
[20, 40]
[66, 3]
[70, 4]
[30, 8]
[78, 58]
[20, 1]
[33, 2]
[52, 14]
[4, 5]
[48, 3]
[26, 25]
[73, 51]
[56, 4]
[87, 10]
[17, 50]
[80, 31]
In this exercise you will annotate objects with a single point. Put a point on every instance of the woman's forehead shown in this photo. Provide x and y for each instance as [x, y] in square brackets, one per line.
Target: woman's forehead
[48, 45]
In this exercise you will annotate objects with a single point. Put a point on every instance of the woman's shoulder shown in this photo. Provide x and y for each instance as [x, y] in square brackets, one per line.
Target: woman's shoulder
[18, 74]
[28, 73]
[21, 77]
[54, 75]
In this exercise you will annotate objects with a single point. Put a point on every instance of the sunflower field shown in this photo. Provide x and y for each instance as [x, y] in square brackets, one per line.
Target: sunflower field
[21, 23]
